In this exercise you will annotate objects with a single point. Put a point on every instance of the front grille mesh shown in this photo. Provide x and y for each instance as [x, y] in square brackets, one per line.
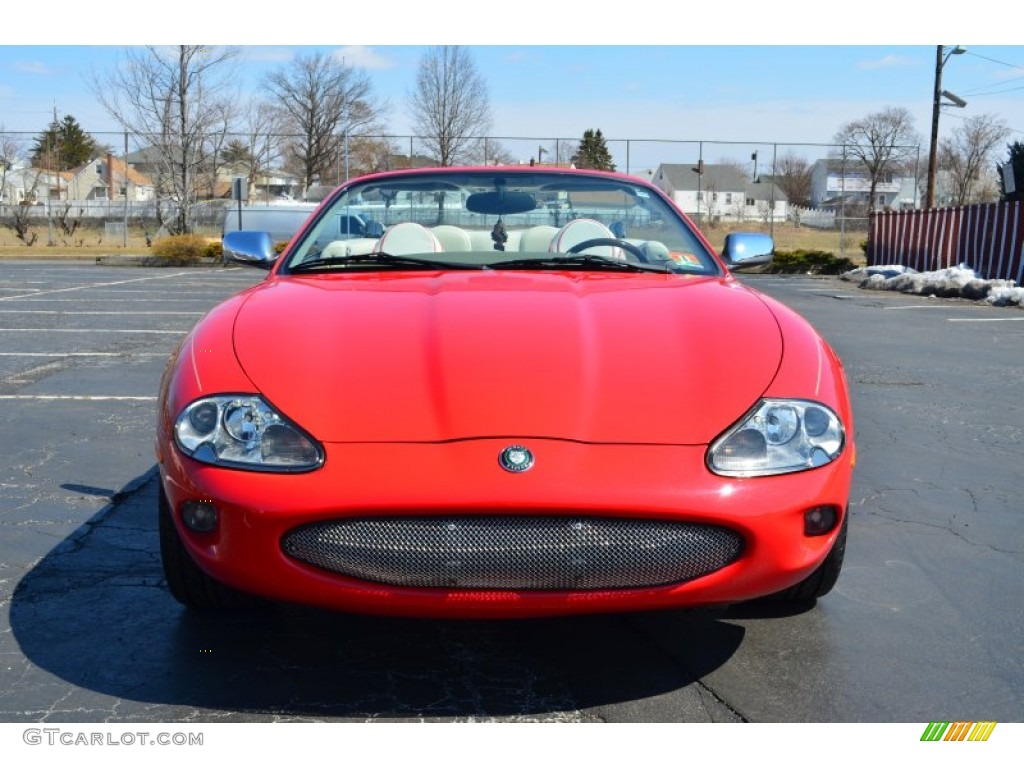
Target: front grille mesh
[513, 552]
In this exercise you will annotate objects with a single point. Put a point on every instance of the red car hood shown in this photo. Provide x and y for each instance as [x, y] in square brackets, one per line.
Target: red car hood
[418, 357]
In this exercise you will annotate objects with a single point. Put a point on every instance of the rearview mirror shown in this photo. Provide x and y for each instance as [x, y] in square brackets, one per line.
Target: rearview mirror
[500, 203]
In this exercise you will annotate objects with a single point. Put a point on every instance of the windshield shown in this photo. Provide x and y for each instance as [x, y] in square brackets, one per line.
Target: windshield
[500, 219]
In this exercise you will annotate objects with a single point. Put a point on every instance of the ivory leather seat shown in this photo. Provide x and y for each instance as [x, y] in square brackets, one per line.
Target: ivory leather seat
[580, 230]
[408, 238]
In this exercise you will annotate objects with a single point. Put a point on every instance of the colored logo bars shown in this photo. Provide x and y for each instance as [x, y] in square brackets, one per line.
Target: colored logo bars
[958, 731]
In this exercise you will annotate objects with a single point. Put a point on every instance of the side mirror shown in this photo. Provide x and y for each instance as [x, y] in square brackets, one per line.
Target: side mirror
[743, 250]
[247, 247]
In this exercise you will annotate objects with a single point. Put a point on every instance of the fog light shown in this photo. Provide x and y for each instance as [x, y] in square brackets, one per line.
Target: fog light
[820, 520]
[199, 516]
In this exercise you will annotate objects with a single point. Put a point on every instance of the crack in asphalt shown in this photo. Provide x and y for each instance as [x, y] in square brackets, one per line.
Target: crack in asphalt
[875, 505]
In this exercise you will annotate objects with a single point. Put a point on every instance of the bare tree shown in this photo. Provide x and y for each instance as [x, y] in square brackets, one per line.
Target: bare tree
[370, 154]
[20, 220]
[882, 143]
[709, 197]
[450, 104]
[490, 152]
[11, 150]
[211, 150]
[564, 151]
[793, 176]
[254, 150]
[323, 101]
[178, 97]
[968, 153]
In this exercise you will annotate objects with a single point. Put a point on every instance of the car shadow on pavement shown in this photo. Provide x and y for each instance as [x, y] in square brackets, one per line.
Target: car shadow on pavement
[96, 613]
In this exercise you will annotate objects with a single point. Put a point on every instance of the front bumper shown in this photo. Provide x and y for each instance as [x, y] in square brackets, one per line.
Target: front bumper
[464, 480]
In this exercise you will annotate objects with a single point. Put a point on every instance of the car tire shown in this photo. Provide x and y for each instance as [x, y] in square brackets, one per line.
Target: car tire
[824, 577]
[187, 582]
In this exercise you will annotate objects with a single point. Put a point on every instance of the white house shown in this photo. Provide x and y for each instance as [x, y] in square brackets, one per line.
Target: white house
[33, 185]
[109, 178]
[834, 181]
[721, 192]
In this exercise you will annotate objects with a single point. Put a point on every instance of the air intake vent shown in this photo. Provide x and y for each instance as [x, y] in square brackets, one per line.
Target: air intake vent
[513, 552]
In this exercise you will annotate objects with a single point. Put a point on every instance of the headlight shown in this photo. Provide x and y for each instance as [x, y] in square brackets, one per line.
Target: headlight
[243, 431]
[776, 437]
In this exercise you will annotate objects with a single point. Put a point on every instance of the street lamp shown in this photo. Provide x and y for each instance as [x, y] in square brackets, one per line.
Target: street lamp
[941, 57]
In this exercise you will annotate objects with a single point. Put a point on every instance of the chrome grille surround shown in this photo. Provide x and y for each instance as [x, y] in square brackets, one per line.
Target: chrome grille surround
[515, 552]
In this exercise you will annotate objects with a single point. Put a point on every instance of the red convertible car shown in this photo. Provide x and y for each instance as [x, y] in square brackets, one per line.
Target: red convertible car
[502, 392]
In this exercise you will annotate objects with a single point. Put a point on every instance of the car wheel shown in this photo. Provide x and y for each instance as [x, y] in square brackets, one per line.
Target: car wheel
[189, 584]
[824, 577]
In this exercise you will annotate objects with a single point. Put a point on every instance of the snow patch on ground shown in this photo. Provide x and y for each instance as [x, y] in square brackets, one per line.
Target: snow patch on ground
[955, 282]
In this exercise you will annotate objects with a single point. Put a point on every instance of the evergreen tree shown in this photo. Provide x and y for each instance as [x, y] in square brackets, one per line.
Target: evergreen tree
[1016, 161]
[63, 146]
[236, 152]
[593, 152]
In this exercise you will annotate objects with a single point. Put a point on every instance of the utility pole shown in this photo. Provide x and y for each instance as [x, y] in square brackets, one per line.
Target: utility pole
[941, 57]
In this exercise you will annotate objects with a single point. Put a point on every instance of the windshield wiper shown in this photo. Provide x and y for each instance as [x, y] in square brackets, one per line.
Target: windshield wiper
[577, 260]
[376, 258]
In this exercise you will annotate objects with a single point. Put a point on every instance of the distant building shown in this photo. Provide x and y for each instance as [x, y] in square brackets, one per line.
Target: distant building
[33, 186]
[834, 182]
[109, 178]
[721, 192]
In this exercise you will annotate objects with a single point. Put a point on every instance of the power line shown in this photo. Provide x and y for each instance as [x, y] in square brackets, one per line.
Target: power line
[994, 61]
[1002, 90]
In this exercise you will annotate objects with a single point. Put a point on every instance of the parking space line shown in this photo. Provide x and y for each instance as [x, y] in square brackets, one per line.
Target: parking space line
[924, 306]
[984, 319]
[83, 354]
[89, 312]
[92, 285]
[89, 398]
[89, 330]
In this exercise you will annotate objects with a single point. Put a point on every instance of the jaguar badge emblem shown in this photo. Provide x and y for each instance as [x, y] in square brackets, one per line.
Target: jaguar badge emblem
[516, 458]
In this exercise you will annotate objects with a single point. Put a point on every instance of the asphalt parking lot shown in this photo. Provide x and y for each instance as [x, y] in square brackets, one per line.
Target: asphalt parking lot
[925, 622]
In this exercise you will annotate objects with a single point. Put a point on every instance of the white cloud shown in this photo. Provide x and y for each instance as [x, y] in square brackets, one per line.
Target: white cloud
[33, 67]
[890, 61]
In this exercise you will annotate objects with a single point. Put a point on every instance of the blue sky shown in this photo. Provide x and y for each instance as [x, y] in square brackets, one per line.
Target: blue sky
[735, 98]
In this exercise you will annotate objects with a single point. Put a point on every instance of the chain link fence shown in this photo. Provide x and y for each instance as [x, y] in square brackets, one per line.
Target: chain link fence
[132, 190]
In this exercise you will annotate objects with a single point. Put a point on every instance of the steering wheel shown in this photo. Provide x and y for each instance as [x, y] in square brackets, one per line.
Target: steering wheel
[623, 244]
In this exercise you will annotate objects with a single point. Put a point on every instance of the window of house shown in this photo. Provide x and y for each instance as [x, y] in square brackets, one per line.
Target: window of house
[751, 202]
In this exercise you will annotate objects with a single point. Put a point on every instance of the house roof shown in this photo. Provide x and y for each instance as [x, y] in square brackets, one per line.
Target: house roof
[124, 171]
[722, 178]
[146, 156]
[47, 176]
[854, 166]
